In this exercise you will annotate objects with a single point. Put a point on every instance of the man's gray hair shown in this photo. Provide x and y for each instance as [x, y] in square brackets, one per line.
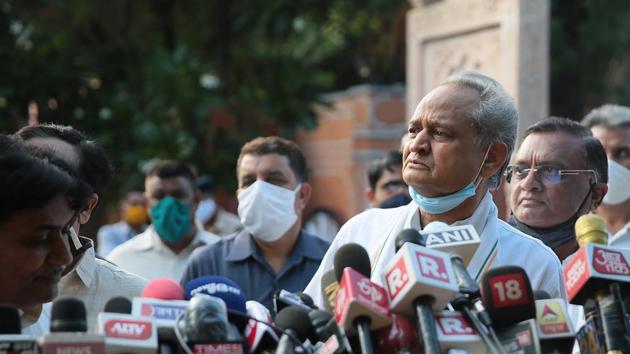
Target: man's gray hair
[609, 116]
[496, 117]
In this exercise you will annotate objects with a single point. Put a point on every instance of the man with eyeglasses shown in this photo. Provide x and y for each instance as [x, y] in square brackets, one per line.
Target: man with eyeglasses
[387, 188]
[611, 125]
[558, 174]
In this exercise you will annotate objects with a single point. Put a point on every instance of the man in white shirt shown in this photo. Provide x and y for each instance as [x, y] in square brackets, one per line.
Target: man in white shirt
[611, 125]
[460, 138]
[164, 248]
[92, 280]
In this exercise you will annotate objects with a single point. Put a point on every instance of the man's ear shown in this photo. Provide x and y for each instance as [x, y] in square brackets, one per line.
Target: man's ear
[303, 196]
[597, 194]
[369, 193]
[497, 155]
[86, 213]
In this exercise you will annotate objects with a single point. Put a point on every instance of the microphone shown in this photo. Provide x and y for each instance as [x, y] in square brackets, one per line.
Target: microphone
[541, 295]
[327, 332]
[361, 305]
[598, 272]
[329, 286]
[418, 281]
[555, 331]
[507, 295]
[226, 290]
[125, 333]
[509, 300]
[283, 298]
[207, 328]
[261, 338]
[398, 338]
[455, 332]
[296, 323]
[163, 289]
[11, 339]
[68, 326]
[118, 304]
[164, 313]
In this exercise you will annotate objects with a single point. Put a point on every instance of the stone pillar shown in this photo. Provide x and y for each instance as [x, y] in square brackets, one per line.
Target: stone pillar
[507, 40]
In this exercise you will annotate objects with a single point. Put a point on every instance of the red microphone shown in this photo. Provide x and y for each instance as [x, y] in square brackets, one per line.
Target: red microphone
[399, 337]
[361, 305]
[163, 289]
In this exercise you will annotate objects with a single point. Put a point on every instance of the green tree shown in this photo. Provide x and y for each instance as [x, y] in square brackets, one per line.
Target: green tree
[191, 80]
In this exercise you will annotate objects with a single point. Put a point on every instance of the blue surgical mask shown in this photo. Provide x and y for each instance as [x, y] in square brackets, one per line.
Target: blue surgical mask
[444, 203]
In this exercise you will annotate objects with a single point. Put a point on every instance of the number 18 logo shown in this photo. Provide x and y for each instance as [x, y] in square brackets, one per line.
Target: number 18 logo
[509, 290]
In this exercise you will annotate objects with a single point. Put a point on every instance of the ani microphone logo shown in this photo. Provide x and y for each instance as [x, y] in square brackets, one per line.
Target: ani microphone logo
[610, 262]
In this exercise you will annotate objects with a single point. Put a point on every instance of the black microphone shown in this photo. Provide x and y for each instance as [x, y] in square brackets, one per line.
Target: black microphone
[11, 339]
[508, 297]
[296, 323]
[68, 326]
[9, 320]
[541, 295]
[328, 332]
[118, 304]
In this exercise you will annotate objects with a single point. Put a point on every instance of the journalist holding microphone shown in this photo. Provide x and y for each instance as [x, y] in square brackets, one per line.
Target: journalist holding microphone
[460, 138]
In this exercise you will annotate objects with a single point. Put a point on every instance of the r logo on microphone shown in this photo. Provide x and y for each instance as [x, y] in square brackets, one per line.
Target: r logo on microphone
[432, 267]
[508, 290]
[397, 278]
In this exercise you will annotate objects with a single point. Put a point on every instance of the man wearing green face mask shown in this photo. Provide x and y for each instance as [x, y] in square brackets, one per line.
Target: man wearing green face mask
[163, 250]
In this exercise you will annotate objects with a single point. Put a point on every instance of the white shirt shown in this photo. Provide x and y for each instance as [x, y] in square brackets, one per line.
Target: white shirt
[147, 256]
[621, 239]
[95, 281]
[501, 244]
[39, 327]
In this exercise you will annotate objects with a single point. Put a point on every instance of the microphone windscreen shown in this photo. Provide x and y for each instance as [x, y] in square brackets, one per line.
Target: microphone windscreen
[507, 295]
[541, 295]
[408, 235]
[435, 226]
[118, 304]
[354, 256]
[329, 286]
[9, 320]
[68, 315]
[223, 288]
[206, 319]
[163, 289]
[306, 299]
[296, 319]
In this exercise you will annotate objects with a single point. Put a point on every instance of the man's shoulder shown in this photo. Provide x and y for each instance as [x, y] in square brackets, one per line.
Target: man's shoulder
[521, 241]
[218, 248]
[109, 273]
[138, 243]
[315, 244]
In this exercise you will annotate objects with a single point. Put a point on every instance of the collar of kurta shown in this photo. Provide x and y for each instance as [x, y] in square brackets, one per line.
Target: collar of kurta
[244, 247]
[483, 219]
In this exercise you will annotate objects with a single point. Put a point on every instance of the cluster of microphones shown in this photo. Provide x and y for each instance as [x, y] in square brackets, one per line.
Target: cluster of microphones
[428, 303]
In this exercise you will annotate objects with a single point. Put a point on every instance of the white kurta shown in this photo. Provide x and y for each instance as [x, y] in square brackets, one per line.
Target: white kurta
[622, 238]
[501, 244]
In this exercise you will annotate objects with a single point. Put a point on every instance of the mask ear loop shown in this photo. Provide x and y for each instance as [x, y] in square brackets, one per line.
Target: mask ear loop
[481, 167]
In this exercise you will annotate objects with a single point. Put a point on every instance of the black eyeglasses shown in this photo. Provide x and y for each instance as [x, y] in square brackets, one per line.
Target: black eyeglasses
[548, 175]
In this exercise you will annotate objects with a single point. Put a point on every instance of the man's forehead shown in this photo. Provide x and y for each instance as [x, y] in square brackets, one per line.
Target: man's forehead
[447, 99]
[551, 147]
[58, 148]
[167, 183]
[265, 163]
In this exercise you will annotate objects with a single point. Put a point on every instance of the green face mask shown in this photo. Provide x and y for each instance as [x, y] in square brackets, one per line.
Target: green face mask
[171, 219]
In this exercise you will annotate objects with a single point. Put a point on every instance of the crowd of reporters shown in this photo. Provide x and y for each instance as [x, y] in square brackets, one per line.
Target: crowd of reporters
[440, 273]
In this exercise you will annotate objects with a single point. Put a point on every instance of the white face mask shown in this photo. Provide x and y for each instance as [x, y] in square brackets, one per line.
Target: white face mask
[267, 211]
[618, 184]
[205, 210]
